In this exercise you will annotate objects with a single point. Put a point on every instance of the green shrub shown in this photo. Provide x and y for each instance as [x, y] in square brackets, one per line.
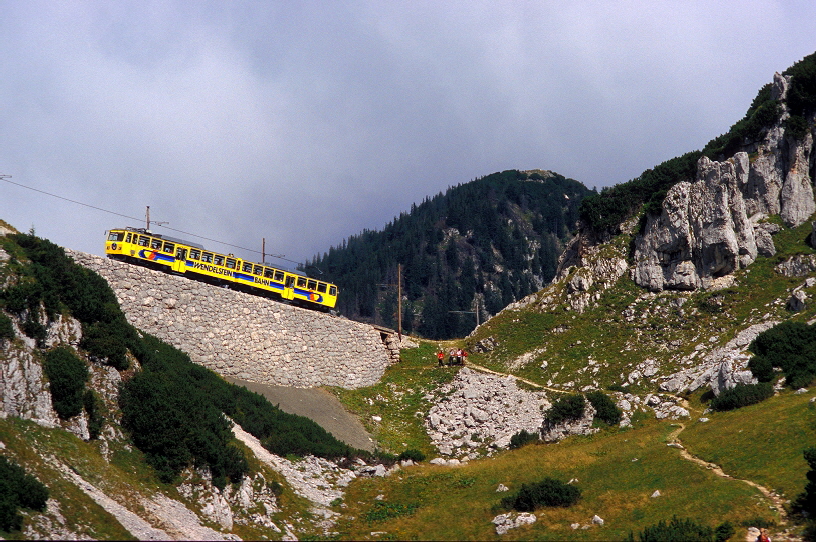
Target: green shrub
[412, 454]
[107, 341]
[805, 502]
[173, 410]
[566, 408]
[34, 329]
[762, 368]
[521, 438]
[176, 425]
[67, 375]
[763, 113]
[382, 510]
[685, 530]
[801, 95]
[605, 408]
[547, 492]
[94, 407]
[25, 295]
[796, 126]
[54, 281]
[18, 490]
[604, 212]
[6, 327]
[791, 346]
[742, 395]
[724, 531]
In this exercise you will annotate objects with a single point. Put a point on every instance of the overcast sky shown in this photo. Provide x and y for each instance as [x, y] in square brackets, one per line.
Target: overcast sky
[306, 122]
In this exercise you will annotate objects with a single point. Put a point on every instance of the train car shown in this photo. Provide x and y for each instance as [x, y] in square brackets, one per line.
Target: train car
[142, 247]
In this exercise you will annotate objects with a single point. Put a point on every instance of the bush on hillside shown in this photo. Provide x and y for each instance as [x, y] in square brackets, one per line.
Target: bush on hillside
[805, 502]
[67, 375]
[742, 395]
[173, 409]
[414, 455]
[762, 368]
[176, 426]
[763, 113]
[605, 408]
[6, 327]
[53, 281]
[791, 346]
[566, 408]
[521, 438]
[108, 341]
[605, 211]
[18, 490]
[685, 530]
[801, 95]
[94, 407]
[547, 492]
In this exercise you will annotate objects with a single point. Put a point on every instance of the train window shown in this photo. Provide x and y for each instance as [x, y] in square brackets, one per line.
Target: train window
[116, 236]
[268, 273]
[258, 270]
[279, 275]
[206, 257]
[218, 260]
[321, 287]
[169, 248]
[333, 290]
[230, 263]
[143, 241]
[312, 284]
[247, 267]
[155, 244]
[195, 254]
[127, 239]
[301, 282]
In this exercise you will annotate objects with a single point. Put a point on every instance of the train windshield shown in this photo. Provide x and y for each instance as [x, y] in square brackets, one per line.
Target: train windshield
[116, 236]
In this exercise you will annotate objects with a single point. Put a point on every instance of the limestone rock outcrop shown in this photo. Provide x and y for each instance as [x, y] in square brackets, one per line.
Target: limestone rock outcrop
[553, 432]
[713, 226]
[720, 369]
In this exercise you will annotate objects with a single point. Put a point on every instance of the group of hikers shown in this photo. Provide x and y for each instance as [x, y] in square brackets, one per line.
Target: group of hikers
[455, 356]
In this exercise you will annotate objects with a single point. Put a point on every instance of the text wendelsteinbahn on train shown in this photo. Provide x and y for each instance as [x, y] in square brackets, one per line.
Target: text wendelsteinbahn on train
[142, 247]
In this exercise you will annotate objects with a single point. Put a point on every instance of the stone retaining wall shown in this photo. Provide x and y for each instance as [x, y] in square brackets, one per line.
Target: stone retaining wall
[246, 336]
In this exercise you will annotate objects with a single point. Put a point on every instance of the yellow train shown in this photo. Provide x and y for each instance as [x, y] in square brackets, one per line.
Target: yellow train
[192, 260]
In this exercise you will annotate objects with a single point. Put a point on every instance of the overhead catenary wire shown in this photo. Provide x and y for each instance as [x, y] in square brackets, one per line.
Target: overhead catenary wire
[7, 178]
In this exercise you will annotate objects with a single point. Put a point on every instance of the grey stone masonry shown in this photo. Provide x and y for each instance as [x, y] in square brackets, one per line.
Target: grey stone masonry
[246, 336]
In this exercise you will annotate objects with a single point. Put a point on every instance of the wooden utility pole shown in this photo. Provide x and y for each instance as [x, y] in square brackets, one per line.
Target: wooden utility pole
[147, 219]
[263, 250]
[399, 301]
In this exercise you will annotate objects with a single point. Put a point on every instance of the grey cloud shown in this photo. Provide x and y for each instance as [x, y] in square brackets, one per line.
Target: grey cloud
[307, 122]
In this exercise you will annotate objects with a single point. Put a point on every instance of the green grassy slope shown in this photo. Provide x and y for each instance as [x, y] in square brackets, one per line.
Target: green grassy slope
[762, 443]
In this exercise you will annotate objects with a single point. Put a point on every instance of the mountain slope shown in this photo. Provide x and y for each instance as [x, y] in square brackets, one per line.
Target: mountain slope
[663, 353]
[482, 244]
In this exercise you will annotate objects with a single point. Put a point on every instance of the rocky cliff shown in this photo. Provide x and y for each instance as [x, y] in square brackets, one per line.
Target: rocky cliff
[717, 224]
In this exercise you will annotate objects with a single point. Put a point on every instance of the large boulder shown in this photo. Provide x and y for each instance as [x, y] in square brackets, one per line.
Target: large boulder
[704, 232]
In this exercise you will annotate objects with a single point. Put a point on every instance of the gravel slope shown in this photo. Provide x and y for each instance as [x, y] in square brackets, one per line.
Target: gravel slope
[316, 404]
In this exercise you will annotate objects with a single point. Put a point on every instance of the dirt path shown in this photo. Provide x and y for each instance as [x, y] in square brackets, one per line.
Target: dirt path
[528, 382]
[778, 502]
[316, 404]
